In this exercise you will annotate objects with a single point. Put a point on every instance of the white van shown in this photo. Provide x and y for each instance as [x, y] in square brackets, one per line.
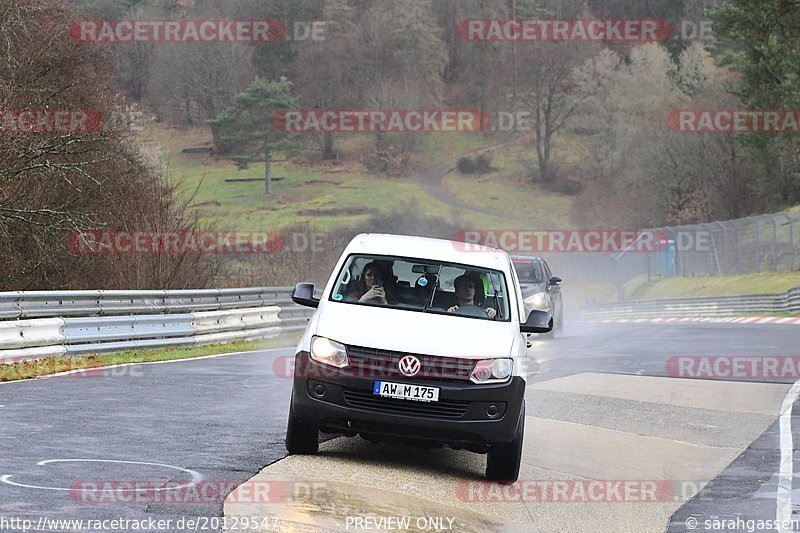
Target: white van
[419, 341]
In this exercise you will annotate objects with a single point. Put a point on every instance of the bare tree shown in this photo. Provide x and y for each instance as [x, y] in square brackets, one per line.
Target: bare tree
[546, 91]
[195, 83]
[398, 60]
[56, 182]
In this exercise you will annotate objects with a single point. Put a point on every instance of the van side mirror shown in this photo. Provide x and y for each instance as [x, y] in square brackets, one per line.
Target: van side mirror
[303, 294]
[538, 322]
[555, 280]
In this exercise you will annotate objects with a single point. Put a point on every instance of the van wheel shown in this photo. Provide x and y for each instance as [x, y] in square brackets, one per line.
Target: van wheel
[301, 437]
[504, 459]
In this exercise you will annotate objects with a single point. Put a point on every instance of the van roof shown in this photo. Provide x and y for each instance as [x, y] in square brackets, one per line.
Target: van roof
[427, 248]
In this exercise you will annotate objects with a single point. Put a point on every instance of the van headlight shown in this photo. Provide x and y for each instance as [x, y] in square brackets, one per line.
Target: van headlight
[492, 371]
[329, 352]
[541, 300]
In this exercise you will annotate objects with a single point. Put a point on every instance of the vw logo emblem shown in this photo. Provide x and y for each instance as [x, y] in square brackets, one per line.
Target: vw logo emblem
[409, 366]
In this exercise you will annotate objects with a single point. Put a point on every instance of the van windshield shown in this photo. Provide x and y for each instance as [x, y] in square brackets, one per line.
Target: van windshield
[423, 285]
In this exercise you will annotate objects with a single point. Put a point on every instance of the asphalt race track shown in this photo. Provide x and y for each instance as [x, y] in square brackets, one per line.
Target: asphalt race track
[601, 406]
[222, 417]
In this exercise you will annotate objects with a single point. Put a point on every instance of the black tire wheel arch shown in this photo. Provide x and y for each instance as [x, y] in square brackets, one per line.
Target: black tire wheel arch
[302, 438]
[504, 459]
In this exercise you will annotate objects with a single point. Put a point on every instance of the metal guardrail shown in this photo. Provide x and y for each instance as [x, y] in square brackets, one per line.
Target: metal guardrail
[42, 324]
[718, 306]
[40, 304]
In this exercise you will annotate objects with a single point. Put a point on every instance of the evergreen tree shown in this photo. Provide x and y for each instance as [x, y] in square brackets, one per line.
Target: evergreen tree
[246, 130]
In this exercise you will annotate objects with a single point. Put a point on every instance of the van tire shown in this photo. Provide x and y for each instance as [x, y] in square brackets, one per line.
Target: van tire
[504, 459]
[302, 438]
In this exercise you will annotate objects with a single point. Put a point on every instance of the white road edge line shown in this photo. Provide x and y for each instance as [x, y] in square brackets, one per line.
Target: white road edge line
[783, 500]
[144, 363]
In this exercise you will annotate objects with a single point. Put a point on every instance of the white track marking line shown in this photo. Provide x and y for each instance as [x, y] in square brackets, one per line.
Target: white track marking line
[703, 320]
[93, 369]
[783, 500]
[196, 476]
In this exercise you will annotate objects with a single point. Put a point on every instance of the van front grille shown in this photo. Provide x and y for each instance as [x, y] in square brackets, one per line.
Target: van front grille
[374, 363]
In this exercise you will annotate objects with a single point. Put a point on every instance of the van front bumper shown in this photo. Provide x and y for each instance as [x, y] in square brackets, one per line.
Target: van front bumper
[467, 415]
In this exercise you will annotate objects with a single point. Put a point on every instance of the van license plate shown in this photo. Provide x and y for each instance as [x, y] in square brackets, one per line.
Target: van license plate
[403, 391]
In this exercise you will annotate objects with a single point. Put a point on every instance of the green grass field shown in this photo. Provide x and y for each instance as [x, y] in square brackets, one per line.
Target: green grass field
[510, 191]
[325, 196]
[761, 283]
[446, 146]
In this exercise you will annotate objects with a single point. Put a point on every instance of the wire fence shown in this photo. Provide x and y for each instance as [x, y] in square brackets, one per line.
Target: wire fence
[764, 243]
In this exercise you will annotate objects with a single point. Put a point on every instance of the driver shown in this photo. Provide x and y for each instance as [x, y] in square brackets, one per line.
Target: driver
[465, 294]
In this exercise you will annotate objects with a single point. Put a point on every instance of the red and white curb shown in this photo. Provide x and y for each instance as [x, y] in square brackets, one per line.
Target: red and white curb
[713, 320]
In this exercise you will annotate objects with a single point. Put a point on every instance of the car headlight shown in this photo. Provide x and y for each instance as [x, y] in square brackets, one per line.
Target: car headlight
[491, 371]
[541, 300]
[329, 352]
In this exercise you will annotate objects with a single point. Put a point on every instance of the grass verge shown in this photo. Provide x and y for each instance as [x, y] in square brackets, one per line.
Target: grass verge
[53, 365]
[576, 294]
[762, 283]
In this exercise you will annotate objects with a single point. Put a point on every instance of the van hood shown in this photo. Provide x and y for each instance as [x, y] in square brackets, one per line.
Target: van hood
[416, 332]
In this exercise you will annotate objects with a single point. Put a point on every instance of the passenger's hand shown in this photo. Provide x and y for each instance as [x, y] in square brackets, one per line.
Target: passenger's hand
[490, 312]
[375, 293]
[453, 309]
